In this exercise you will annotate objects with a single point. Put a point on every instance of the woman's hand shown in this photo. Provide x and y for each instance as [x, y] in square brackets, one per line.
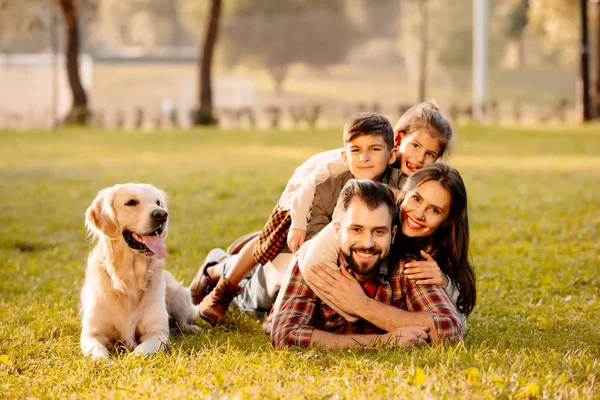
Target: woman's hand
[338, 287]
[426, 272]
[295, 239]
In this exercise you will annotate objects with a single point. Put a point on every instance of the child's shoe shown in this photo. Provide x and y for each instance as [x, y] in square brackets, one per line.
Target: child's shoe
[202, 283]
[214, 306]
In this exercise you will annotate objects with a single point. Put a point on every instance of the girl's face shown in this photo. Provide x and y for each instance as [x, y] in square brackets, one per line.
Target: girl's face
[424, 209]
[418, 149]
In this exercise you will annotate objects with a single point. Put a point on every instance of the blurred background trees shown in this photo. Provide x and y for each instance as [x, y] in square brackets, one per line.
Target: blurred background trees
[534, 45]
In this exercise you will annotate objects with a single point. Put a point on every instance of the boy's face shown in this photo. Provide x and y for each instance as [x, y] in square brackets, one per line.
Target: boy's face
[367, 157]
[417, 149]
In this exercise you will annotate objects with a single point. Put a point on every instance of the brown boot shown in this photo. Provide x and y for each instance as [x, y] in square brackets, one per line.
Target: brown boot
[202, 283]
[214, 306]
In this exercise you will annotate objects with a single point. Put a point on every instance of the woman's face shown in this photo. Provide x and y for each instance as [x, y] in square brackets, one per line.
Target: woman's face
[424, 209]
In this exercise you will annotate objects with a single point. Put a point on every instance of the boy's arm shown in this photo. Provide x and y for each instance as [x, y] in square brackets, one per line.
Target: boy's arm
[322, 248]
[304, 197]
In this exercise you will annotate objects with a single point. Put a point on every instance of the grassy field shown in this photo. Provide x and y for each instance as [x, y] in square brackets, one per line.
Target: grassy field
[535, 235]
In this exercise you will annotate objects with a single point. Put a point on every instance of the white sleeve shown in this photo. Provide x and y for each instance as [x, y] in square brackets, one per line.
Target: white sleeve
[322, 248]
[302, 203]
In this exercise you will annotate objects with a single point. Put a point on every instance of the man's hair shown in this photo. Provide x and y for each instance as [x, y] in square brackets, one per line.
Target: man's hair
[369, 124]
[372, 194]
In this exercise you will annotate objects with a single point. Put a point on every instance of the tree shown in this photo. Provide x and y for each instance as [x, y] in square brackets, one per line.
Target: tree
[278, 34]
[562, 21]
[517, 22]
[204, 114]
[79, 110]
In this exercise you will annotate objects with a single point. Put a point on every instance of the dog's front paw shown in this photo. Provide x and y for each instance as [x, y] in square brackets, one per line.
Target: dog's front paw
[190, 328]
[99, 353]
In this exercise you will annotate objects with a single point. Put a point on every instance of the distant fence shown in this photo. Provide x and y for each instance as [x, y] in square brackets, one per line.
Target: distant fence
[302, 115]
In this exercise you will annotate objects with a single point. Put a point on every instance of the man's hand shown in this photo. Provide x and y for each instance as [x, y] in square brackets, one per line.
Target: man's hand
[338, 287]
[427, 272]
[406, 336]
[295, 239]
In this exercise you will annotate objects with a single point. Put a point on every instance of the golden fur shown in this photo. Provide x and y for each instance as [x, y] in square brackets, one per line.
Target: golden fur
[127, 296]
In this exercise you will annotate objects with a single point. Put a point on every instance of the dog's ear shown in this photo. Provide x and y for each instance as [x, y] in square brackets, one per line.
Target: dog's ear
[100, 218]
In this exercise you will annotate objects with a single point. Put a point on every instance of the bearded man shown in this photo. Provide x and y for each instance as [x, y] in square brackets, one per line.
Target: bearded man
[407, 314]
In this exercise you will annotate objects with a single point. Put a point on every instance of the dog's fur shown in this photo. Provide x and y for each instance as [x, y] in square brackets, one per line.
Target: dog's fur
[128, 297]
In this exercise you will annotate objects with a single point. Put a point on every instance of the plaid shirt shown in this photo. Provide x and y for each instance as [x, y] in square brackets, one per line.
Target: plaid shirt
[302, 311]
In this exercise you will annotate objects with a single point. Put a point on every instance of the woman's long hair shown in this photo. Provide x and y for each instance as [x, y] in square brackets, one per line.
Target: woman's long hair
[449, 244]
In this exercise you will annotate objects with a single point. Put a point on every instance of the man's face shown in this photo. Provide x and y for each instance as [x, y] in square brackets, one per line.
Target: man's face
[364, 237]
[368, 156]
[424, 209]
[418, 149]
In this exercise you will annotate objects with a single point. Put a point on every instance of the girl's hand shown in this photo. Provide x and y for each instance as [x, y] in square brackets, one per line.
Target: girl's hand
[427, 272]
[295, 239]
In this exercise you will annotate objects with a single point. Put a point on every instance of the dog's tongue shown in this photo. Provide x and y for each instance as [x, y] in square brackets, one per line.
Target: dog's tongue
[156, 245]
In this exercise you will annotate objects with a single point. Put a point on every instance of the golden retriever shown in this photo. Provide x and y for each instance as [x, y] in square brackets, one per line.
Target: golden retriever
[127, 296]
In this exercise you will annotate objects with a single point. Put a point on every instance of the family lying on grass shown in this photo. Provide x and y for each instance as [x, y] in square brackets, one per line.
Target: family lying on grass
[386, 264]
[371, 275]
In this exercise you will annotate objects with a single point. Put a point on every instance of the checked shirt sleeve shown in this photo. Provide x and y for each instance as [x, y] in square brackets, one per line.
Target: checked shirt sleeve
[293, 323]
[434, 299]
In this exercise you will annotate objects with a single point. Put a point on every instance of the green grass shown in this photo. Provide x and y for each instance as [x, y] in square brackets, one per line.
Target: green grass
[535, 224]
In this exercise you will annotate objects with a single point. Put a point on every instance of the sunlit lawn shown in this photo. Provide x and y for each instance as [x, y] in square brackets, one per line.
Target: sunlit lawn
[535, 222]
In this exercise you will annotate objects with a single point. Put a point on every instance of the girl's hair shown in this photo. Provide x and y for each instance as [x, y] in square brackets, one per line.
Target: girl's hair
[427, 116]
[449, 244]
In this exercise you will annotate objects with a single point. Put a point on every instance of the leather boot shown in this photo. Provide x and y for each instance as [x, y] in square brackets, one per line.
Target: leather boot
[214, 306]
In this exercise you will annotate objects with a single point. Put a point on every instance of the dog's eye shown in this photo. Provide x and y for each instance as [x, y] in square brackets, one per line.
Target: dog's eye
[132, 202]
[158, 203]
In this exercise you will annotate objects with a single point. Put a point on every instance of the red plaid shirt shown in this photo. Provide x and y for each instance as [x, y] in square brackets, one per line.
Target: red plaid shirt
[302, 311]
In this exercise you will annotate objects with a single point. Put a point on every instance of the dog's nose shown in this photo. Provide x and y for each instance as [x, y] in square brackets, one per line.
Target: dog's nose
[159, 215]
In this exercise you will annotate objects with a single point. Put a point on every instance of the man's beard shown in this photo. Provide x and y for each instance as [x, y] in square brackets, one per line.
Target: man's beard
[361, 268]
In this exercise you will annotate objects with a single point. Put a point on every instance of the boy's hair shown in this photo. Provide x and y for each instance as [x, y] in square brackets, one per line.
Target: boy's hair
[372, 194]
[427, 115]
[369, 124]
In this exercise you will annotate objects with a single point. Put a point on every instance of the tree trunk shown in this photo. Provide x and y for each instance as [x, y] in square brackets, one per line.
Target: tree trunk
[204, 115]
[278, 72]
[584, 65]
[175, 40]
[424, 49]
[521, 50]
[597, 77]
[79, 112]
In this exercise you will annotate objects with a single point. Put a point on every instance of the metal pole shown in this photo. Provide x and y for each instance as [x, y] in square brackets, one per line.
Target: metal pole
[54, 46]
[585, 64]
[480, 58]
